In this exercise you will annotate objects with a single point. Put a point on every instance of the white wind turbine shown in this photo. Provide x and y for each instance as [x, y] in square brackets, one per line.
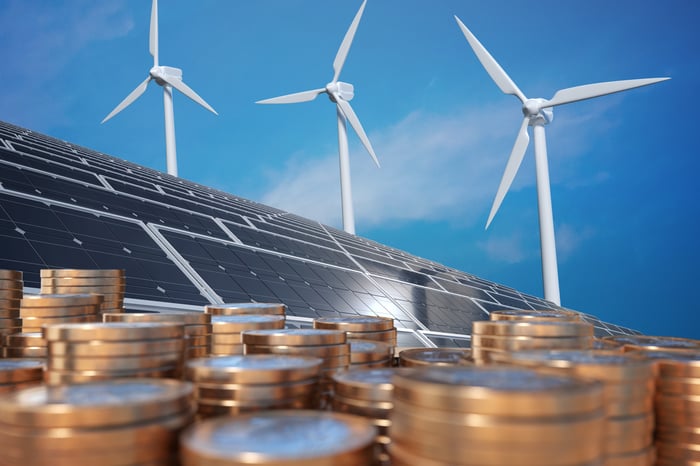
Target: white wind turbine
[538, 113]
[340, 93]
[167, 77]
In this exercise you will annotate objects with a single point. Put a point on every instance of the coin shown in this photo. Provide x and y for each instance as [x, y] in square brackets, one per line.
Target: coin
[372, 384]
[246, 308]
[53, 300]
[498, 390]
[253, 392]
[116, 283]
[532, 329]
[363, 351]
[116, 363]
[319, 351]
[654, 342]
[97, 348]
[60, 311]
[13, 371]
[55, 377]
[678, 386]
[359, 323]
[294, 337]
[96, 404]
[187, 318]
[433, 357]
[643, 457]
[366, 408]
[39, 322]
[26, 352]
[210, 408]
[114, 331]
[10, 294]
[236, 324]
[253, 369]
[535, 315]
[115, 291]
[24, 339]
[387, 336]
[226, 338]
[523, 343]
[223, 349]
[310, 438]
[10, 274]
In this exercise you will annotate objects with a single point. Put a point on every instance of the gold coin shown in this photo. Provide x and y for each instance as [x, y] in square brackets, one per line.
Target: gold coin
[59, 311]
[434, 357]
[362, 351]
[319, 351]
[309, 438]
[677, 451]
[197, 340]
[195, 352]
[74, 281]
[253, 392]
[10, 323]
[532, 329]
[522, 343]
[678, 386]
[38, 322]
[654, 342]
[198, 330]
[236, 324]
[54, 300]
[359, 323]
[253, 369]
[226, 338]
[294, 337]
[82, 273]
[98, 404]
[10, 274]
[643, 457]
[677, 434]
[676, 364]
[98, 348]
[223, 349]
[26, 352]
[187, 318]
[14, 371]
[207, 408]
[689, 404]
[11, 294]
[372, 365]
[114, 290]
[116, 363]
[371, 409]
[371, 385]
[114, 331]
[387, 336]
[498, 390]
[535, 315]
[246, 308]
[54, 377]
[24, 339]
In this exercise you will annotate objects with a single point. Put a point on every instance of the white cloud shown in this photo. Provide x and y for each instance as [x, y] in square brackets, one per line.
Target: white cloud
[570, 239]
[508, 249]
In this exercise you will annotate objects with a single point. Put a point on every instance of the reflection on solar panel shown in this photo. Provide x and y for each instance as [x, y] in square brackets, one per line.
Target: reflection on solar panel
[184, 245]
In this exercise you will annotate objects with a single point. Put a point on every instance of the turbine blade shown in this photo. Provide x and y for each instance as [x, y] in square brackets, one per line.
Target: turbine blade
[357, 126]
[153, 39]
[347, 42]
[304, 96]
[180, 85]
[491, 66]
[588, 91]
[135, 94]
[516, 158]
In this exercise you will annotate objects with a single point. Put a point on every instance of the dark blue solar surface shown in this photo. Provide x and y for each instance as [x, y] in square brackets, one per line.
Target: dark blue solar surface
[66, 206]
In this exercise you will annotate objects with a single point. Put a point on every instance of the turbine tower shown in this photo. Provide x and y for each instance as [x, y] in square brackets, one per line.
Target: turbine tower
[538, 113]
[339, 93]
[169, 78]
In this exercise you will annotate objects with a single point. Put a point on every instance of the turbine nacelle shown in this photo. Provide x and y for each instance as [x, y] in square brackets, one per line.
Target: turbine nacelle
[535, 110]
[163, 74]
[339, 89]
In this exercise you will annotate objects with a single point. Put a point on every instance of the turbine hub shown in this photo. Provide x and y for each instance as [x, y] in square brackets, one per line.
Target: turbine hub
[161, 74]
[340, 89]
[534, 110]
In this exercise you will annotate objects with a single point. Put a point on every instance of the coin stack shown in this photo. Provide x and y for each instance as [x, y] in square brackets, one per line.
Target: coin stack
[110, 283]
[651, 343]
[25, 345]
[368, 354]
[362, 327]
[111, 423]
[80, 353]
[197, 327]
[11, 290]
[419, 357]
[677, 406]
[48, 309]
[495, 415]
[329, 345]
[298, 437]
[535, 315]
[226, 330]
[16, 374]
[608, 345]
[232, 309]
[628, 387]
[368, 393]
[226, 385]
[494, 340]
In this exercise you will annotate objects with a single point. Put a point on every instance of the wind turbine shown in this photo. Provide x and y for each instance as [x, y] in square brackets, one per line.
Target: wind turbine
[340, 93]
[167, 77]
[538, 113]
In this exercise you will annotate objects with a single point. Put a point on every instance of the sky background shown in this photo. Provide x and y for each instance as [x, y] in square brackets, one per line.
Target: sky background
[623, 167]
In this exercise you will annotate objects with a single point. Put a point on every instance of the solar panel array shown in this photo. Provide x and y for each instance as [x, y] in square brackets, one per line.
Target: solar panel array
[184, 245]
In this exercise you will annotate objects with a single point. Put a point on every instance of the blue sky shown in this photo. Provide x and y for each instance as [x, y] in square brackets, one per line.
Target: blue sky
[623, 167]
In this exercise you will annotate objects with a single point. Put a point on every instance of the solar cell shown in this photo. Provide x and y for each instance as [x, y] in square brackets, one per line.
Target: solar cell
[185, 245]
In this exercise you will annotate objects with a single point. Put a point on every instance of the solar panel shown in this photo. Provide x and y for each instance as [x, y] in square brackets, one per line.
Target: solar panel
[184, 245]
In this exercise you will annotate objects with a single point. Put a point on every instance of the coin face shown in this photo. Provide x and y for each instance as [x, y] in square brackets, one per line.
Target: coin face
[259, 368]
[279, 435]
[95, 404]
[359, 323]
